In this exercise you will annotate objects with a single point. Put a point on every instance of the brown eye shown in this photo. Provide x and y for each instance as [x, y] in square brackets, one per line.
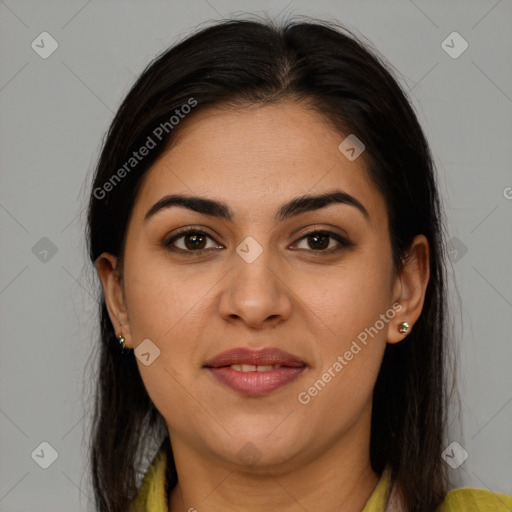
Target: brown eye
[318, 241]
[193, 241]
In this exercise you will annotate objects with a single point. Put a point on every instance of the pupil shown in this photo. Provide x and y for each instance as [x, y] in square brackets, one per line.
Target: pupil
[320, 246]
[195, 239]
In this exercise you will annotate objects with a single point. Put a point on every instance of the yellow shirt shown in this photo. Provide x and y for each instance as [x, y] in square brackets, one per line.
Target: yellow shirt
[152, 495]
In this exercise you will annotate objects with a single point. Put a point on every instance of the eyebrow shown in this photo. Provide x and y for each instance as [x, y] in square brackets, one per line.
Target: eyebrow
[290, 209]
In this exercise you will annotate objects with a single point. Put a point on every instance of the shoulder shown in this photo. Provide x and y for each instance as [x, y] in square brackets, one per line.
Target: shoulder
[475, 500]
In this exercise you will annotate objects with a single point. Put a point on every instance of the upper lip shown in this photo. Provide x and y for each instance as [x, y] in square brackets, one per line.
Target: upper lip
[266, 356]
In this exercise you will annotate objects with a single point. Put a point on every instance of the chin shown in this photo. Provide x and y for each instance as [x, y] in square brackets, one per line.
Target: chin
[261, 450]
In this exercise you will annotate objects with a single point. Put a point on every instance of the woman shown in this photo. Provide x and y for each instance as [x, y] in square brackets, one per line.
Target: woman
[269, 237]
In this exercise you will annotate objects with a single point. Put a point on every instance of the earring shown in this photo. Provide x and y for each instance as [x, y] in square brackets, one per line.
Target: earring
[404, 327]
[121, 340]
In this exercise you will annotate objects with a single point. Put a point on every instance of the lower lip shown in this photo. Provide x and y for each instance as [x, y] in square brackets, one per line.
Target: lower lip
[256, 383]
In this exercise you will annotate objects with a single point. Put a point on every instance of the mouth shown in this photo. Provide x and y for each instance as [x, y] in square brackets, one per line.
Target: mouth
[255, 373]
[254, 368]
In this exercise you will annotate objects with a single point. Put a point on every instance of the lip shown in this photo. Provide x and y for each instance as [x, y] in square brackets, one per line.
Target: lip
[265, 356]
[255, 383]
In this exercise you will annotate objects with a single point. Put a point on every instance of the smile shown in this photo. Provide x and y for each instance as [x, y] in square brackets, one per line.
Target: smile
[251, 380]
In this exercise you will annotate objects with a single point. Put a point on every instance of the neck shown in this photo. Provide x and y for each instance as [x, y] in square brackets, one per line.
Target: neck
[338, 478]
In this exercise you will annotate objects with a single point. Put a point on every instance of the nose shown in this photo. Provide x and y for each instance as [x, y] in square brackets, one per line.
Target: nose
[256, 293]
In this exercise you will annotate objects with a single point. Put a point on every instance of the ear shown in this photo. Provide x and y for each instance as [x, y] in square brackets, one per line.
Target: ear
[410, 287]
[111, 280]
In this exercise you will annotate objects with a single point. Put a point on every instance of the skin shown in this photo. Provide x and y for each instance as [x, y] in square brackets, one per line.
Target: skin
[312, 457]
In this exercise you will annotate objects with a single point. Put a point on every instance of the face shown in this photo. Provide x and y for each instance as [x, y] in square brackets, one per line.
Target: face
[317, 283]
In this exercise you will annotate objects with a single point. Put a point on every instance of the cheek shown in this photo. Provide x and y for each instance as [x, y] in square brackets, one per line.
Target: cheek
[156, 298]
[167, 305]
[351, 354]
[350, 299]
[166, 309]
[355, 306]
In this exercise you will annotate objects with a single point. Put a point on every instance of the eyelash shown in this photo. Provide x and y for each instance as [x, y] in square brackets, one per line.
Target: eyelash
[344, 242]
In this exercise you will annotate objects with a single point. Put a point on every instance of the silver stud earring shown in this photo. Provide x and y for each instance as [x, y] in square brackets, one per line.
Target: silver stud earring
[121, 340]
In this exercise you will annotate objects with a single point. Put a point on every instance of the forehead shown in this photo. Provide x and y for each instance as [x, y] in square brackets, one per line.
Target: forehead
[256, 156]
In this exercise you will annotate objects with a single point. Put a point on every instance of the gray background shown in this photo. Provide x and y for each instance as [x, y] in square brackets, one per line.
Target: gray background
[53, 114]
